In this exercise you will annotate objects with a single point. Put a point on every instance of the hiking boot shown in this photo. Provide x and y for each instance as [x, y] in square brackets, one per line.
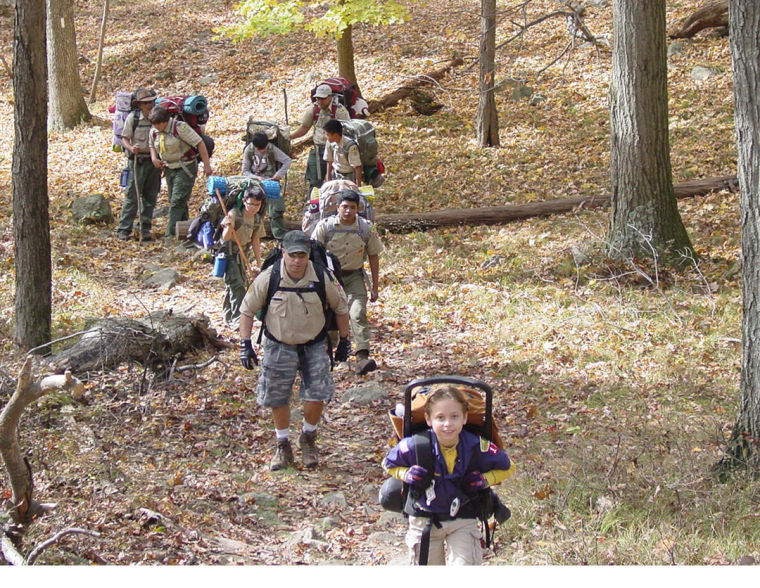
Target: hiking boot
[123, 236]
[308, 444]
[147, 237]
[283, 456]
[364, 366]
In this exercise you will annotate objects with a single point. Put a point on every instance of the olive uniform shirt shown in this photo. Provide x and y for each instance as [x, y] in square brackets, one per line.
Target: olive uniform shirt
[307, 119]
[172, 149]
[141, 135]
[346, 241]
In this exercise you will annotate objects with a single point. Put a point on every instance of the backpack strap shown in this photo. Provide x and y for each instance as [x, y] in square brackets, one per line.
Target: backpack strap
[423, 455]
[274, 287]
[333, 226]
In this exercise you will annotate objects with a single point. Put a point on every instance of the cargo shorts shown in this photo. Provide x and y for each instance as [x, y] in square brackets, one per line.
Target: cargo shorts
[280, 364]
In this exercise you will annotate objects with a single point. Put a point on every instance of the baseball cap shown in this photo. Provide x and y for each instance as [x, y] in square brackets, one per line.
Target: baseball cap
[296, 242]
[323, 91]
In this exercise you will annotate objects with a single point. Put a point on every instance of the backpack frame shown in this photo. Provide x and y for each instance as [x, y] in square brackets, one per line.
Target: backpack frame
[397, 496]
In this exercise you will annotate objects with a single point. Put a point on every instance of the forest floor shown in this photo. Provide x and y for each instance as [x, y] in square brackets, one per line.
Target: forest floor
[616, 383]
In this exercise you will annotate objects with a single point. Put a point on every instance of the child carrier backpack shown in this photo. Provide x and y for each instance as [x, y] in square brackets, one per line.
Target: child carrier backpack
[362, 133]
[192, 110]
[345, 93]
[324, 203]
[277, 135]
[397, 496]
[326, 266]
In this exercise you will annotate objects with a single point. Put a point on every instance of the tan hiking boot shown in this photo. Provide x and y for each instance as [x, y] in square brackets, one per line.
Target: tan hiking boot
[283, 456]
[308, 444]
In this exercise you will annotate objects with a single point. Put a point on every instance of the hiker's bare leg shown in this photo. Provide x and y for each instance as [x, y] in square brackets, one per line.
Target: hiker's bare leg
[312, 412]
[281, 416]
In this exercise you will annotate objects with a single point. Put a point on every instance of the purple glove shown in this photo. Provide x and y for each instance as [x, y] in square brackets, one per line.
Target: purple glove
[474, 481]
[416, 476]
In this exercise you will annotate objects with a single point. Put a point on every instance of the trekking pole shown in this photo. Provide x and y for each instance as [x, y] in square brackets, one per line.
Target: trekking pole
[234, 234]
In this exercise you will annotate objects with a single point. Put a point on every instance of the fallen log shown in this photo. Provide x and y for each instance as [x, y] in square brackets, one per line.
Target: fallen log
[711, 15]
[494, 215]
[151, 341]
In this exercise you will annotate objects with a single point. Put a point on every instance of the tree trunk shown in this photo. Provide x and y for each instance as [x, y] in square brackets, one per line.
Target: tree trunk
[644, 219]
[99, 61]
[743, 449]
[25, 509]
[711, 15]
[346, 67]
[488, 118]
[67, 105]
[31, 221]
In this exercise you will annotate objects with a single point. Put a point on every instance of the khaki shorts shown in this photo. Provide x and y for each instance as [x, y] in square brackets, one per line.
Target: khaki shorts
[456, 543]
[279, 366]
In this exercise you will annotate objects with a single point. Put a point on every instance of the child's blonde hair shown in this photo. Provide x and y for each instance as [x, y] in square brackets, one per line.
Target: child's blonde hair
[446, 393]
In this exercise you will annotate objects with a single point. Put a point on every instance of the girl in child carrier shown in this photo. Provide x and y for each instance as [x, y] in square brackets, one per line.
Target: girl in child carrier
[442, 500]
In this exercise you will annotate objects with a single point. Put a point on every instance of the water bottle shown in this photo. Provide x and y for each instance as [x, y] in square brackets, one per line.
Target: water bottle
[124, 178]
[220, 265]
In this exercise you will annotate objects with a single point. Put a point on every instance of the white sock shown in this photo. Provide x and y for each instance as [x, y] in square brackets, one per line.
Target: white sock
[307, 428]
[282, 434]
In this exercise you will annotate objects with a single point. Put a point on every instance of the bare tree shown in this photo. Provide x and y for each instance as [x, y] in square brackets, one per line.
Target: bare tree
[744, 21]
[67, 106]
[31, 221]
[488, 116]
[644, 217]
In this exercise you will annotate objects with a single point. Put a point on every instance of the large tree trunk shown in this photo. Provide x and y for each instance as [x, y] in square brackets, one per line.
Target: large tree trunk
[346, 68]
[67, 105]
[711, 15]
[31, 221]
[644, 218]
[488, 118]
[743, 449]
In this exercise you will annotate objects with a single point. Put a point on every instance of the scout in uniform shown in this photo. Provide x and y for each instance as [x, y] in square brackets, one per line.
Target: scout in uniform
[249, 230]
[144, 177]
[352, 239]
[295, 340]
[317, 115]
[173, 145]
[342, 155]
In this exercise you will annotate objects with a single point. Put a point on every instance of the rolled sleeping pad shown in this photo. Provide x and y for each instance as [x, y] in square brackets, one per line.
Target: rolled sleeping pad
[215, 183]
[195, 105]
[271, 188]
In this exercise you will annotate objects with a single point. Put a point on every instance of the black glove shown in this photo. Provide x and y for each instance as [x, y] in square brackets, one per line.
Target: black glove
[343, 349]
[247, 354]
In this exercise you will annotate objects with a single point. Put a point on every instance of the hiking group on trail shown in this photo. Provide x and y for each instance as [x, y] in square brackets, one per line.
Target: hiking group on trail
[310, 296]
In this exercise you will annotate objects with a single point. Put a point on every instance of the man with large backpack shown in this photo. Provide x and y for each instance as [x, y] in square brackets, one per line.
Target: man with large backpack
[265, 161]
[353, 239]
[323, 109]
[174, 147]
[294, 296]
[144, 178]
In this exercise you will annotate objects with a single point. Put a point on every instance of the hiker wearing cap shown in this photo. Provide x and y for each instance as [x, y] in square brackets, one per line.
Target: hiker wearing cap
[249, 229]
[174, 146]
[324, 109]
[353, 239]
[144, 177]
[265, 161]
[294, 340]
